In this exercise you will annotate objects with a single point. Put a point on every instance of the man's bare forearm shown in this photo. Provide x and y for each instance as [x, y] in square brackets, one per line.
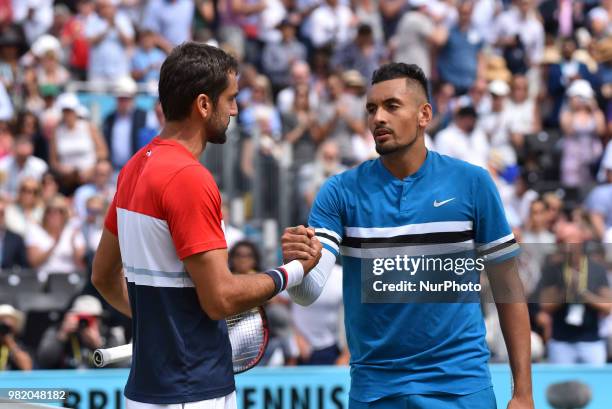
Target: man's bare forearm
[514, 322]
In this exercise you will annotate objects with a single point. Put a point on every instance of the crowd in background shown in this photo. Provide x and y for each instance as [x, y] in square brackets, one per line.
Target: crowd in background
[519, 87]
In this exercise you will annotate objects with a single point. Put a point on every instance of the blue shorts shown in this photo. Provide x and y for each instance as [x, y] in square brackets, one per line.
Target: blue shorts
[484, 399]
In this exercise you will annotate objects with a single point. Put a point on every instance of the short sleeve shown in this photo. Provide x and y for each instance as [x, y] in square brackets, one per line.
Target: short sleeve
[111, 217]
[326, 215]
[492, 233]
[191, 204]
[597, 202]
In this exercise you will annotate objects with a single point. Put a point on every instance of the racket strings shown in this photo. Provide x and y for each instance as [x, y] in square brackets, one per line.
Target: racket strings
[247, 337]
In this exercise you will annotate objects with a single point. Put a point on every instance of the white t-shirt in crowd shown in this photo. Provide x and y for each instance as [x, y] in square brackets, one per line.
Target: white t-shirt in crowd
[61, 259]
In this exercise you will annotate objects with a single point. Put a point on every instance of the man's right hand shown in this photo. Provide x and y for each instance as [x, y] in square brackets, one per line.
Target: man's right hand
[299, 243]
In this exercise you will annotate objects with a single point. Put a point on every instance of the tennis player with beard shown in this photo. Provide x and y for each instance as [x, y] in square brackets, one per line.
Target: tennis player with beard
[417, 355]
[162, 258]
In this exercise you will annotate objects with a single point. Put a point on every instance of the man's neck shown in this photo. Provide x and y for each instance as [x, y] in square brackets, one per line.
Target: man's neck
[187, 134]
[404, 163]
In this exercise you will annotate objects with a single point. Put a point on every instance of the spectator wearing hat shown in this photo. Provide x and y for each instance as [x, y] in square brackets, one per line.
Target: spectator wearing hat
[417, 35]
[56, 246]
[147, 59]
[582, 125]
[459, 58]
[110, 35]
[340, 116]
[48, 52]
[71, 344]
[561, 75]
[75, 146]
[12, 355]
[495, 123]
[20, 164]
[12, 248]
[278, 57]
[463, 139]
[121, 127]
[363, 54]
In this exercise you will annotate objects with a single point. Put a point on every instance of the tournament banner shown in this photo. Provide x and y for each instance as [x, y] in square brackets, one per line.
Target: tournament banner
[285, 388]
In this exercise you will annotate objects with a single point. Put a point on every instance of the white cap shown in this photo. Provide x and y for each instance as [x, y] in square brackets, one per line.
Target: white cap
[7, 310]
[45, 44]
[126, 87]
[68, 100]
[580, 88]
[499, 87]
[87, 304]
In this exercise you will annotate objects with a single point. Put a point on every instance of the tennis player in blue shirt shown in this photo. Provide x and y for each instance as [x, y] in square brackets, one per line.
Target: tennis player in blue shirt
[426, 355]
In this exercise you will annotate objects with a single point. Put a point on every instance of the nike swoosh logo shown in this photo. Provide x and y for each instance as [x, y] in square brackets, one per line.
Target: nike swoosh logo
[438, 204]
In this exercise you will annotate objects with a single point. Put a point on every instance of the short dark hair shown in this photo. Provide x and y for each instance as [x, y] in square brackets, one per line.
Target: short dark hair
[192, 69]
[395, 70]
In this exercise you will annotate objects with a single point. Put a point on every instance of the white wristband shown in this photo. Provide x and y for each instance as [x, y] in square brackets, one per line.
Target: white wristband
[295, 273]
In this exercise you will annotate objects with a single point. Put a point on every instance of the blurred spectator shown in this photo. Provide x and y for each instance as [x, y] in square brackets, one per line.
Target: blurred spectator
[56, 246]
[74, 38]
[240, 24]
[364, 54]
[391, 11]
[443, 102]
[12, 355]
[233, 234]
[71, 344]
[92, 225]
[75, 145]
[28, 125]
[318, 326]
[12, 248]
[154, 124]
[110, 35]
[244, 258]
[463, 140]
[560, 17]
[171, 20]
[536, 229]
[147, 59]
[6, 106]
[496, 122]
[561, 75]
[576, 293]
[367, 14]
[459, 59]
[27, 207]
[554, 208]
[520, 34]
[121, 127]
[522, 110]
[583, 125]
[600, 20]
[102, 186]
[300, 128]
[341, 115]
[599, 202]
[49, 186]
[300, 77]
[331, 23]
[36, 16]
[524, 195]
[278, 57]
[204, 20]
[417, 36]
[312, 175]
[48, 52]
[21, 164]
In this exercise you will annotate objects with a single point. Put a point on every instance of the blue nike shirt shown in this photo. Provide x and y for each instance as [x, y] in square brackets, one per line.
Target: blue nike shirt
[412, 348]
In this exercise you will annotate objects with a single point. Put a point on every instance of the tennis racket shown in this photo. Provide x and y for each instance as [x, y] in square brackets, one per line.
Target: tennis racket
[248, 333]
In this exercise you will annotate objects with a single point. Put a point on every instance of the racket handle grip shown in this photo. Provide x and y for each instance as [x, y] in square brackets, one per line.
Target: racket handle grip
[106, 356]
